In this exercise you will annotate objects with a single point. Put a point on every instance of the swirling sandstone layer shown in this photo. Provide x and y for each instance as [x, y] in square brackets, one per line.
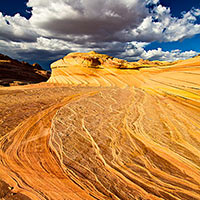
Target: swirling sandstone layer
[123, 131]
[93, 69]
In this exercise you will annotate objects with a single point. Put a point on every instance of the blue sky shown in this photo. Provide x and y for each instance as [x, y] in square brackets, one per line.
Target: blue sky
[179, 6]
[10, 7]
[45, 30]
[184, 45]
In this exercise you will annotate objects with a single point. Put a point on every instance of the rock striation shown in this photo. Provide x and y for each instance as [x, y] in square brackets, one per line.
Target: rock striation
[14, 72]
[94, 69]
[111, 131]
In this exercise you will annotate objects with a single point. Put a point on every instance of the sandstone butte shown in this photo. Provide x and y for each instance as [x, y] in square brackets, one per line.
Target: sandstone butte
[103, 128]
[14, 72]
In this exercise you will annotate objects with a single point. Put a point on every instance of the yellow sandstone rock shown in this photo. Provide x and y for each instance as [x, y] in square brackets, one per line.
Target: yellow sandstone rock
[134, 136]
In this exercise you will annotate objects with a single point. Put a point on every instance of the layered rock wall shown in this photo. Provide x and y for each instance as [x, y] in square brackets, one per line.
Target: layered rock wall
[13, 72]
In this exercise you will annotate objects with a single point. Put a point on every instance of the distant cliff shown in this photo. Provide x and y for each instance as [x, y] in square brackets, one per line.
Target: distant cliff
[14, 72]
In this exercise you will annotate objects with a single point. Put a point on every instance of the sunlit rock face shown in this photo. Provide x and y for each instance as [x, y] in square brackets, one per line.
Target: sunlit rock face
[110, 130]
[130, 144]
[93, 69]
[140, 142]
[92, 60]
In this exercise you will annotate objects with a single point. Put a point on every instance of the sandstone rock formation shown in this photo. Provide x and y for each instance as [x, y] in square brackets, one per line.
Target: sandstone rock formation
[13, 72]
[98, 69]
[195, 61]
[92, 60]
[107, 132]
[149, 63]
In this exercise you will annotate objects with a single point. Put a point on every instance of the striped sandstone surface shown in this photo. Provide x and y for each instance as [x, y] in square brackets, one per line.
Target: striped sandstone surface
[103, 128]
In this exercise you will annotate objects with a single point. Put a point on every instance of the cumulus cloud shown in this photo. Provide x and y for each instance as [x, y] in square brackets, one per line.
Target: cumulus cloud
[16, 28]
[159, 54]
[98, 20]
[136, 51]
[161, 26]
[109, 20]
[121, 28]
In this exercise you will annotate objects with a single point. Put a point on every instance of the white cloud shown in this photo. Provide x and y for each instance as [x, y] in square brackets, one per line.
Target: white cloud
[195, 12]
[121, 28]
[161, 26]
[137, 51]
[153, 1]
[159, 54]
[16, 28]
